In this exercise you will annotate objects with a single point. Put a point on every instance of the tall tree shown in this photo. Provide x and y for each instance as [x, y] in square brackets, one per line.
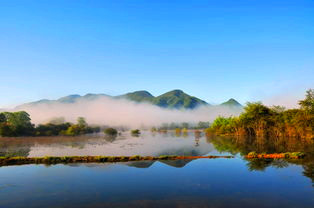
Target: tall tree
[308, 103]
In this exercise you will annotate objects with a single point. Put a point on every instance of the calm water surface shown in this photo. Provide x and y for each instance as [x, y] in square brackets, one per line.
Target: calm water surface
[181, 183]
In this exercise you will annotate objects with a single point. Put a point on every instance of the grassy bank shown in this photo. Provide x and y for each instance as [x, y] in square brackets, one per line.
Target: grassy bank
[93, 159]
[4, 161]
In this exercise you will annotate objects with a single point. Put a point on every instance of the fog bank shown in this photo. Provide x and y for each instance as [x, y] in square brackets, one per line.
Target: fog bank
[121, 112]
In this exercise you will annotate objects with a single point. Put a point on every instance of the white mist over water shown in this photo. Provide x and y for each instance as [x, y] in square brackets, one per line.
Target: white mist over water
[121, 112]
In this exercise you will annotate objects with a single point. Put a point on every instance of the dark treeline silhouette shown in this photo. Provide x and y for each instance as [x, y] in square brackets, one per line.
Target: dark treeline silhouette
[13, 124]
[260, 120]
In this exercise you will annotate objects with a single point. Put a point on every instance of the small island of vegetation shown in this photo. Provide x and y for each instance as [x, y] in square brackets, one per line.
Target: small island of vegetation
[135, 132]
[110, 132]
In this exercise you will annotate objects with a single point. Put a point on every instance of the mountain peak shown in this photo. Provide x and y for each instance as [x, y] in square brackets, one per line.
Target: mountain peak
[138, 96]
[142, 93]
[177, 91]
[232, 102]
[178, 99]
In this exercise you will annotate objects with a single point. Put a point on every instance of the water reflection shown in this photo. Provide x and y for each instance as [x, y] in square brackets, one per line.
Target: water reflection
[244, 145]
[166, 143]
[123, 144]
[178, 183]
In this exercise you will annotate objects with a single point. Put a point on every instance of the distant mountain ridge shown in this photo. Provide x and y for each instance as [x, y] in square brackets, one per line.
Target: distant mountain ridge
[172, 99]
[175, 99]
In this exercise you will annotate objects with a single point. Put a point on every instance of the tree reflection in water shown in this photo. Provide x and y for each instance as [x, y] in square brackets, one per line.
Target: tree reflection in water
[244, 145]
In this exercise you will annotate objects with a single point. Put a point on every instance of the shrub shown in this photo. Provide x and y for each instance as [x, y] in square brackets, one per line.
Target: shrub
[253, 154]
[111, 131]
[135, 132]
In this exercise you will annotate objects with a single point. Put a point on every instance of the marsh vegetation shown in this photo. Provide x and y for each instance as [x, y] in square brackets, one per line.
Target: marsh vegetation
[258, 120]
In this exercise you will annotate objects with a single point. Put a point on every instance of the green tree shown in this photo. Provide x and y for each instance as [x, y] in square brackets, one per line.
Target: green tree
[257, 118]
[308, 103]
[16, 124]
[81, 122]
[73, 130]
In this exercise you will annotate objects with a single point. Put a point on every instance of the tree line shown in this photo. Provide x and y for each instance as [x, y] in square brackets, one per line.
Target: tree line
[183, 125]
[14, 124]
[260, 120]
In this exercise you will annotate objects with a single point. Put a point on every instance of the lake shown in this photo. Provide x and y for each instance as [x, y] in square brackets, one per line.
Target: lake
[177, 183]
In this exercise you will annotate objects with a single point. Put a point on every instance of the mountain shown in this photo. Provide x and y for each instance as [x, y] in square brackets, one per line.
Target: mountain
[178, 99]
[66, 99]
[175, 99]
[75, 98]
[36, 103]
[138, 96]
[231, 103]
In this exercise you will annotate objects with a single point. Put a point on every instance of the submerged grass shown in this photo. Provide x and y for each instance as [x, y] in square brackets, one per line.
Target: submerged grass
[93, 159]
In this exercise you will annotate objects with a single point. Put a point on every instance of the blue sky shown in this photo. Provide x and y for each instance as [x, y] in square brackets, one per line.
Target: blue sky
[249, 50]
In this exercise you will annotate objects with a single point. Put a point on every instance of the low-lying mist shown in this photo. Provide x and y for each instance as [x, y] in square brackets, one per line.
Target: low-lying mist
[121, 112]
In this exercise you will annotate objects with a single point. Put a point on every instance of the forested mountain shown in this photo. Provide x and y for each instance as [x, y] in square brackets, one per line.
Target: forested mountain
[178, 99]
[175, 99]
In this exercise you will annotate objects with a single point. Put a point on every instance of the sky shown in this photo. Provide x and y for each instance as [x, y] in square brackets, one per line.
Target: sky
[246, 49]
